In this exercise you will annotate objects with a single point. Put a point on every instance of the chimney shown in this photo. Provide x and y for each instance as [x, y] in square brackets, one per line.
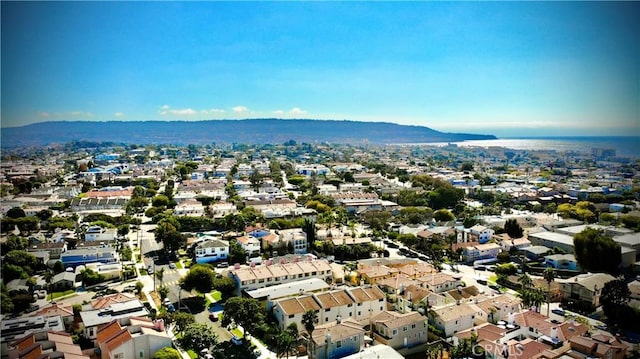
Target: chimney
[554, 333]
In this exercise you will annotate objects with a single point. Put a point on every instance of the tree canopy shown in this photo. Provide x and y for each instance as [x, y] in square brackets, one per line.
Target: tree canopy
[596, 252]
[200, 277]
[198, 336]
[246, 312]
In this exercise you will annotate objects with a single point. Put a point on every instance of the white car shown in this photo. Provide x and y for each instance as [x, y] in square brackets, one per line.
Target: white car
[166, 302]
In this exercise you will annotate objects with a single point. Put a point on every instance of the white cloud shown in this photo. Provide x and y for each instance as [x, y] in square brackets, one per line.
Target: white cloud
[179, 112]
[278, 112]
[119, 114]
[297, 111]
[240, 109]
[212, 111]
[44, 114]
[164, 107]
[81, 114]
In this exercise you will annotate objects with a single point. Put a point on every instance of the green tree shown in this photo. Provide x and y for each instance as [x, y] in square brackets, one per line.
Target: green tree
[614, 298]
[167, 353]
[525, 281]
[89, 277]
[200, 277]
[246, 312]
[15, 243]
[513, 228]
[58, 267]
[23, 259]
[198, 336]
[160, 201]
[596, 252]
[160, 275]
[443, 215]
[549, 275]
[309, 320]
[16, 212]
[5, 300]
[225, 285]
[163, 291]
[182, 320]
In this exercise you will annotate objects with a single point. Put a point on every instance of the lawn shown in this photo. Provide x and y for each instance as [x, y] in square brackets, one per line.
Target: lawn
[192, 354]
[237, 332]
[55, 295]
[217, 295]
[179, 264]
[493, 278]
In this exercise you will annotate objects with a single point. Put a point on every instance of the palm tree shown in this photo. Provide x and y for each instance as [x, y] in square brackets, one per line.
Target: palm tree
[549, 275]
[309, 320]
[160, 275]
[48, 277]
[525, 281]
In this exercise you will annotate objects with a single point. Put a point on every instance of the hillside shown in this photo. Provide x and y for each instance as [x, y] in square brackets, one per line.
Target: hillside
[226, 131]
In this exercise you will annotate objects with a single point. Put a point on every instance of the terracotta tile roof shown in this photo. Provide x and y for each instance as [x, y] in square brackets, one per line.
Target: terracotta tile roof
[107, 300]
[25, 342]
[63, 310]
[530, 318]
[108, 331]
[118, 339]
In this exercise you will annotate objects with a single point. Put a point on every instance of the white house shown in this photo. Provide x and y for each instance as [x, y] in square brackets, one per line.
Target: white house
[297, 237]
[97, 233]
[250, 244]
[211, 250]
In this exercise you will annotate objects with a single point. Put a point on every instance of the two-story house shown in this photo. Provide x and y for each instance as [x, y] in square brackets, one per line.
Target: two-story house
[97, 233]
[250, 244]
[336, 339]
[400, 331]
[211, 250]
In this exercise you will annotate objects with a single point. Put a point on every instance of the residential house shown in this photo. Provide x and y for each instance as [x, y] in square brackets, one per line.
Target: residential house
[65, 311]
[45, 345]
[94, 320]
[499, 307]
[297, 237]
[279, 273]
[359, 304]
[597, 346]
[139, 338]
[250, 244]
[336, 339]
[375, 273]
[82, 256]
[189, 207]
[53, 250]
[291, 310]
[334, 304]
[211, 250]
[411, 298]
[400, 331]
[562, 261]
[97, 233]
[585, 287]
[439, 282]
[482, 233]
[455, 318]
[63, 281]
[480, 251]
[17, 328]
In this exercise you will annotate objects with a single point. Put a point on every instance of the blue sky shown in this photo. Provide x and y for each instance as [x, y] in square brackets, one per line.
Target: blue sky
[511, 69]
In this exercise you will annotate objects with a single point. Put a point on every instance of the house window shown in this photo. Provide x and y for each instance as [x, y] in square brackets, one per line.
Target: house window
[90, 332]
[119, 356]
[291, 316]
[413, 326]
[338, 344]
[327, 310]
[142, 354]
[404, 329]
[395, 331]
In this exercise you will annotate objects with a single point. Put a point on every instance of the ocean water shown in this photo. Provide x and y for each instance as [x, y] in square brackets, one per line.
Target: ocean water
[624, 146]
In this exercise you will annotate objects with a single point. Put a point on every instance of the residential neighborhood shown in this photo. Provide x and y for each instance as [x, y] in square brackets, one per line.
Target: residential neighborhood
[318, 251]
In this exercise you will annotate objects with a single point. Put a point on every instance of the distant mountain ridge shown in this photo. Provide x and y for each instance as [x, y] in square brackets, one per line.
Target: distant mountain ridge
[226, 131]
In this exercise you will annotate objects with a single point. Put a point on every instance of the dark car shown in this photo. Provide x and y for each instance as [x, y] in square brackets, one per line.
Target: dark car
[32, 308]
[101, 287]
[558, 312]
[213, 317]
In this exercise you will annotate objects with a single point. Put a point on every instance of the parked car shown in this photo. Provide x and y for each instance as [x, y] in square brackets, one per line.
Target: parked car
[213, 317]
[558, 312]
[171, 308]
[223, 265]
[172, 265]
[32, 308]
[100, 288]
[482, 281]
[149, 270]
[130, 289]
[602, 327]
[166, 302]
[236, 340]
